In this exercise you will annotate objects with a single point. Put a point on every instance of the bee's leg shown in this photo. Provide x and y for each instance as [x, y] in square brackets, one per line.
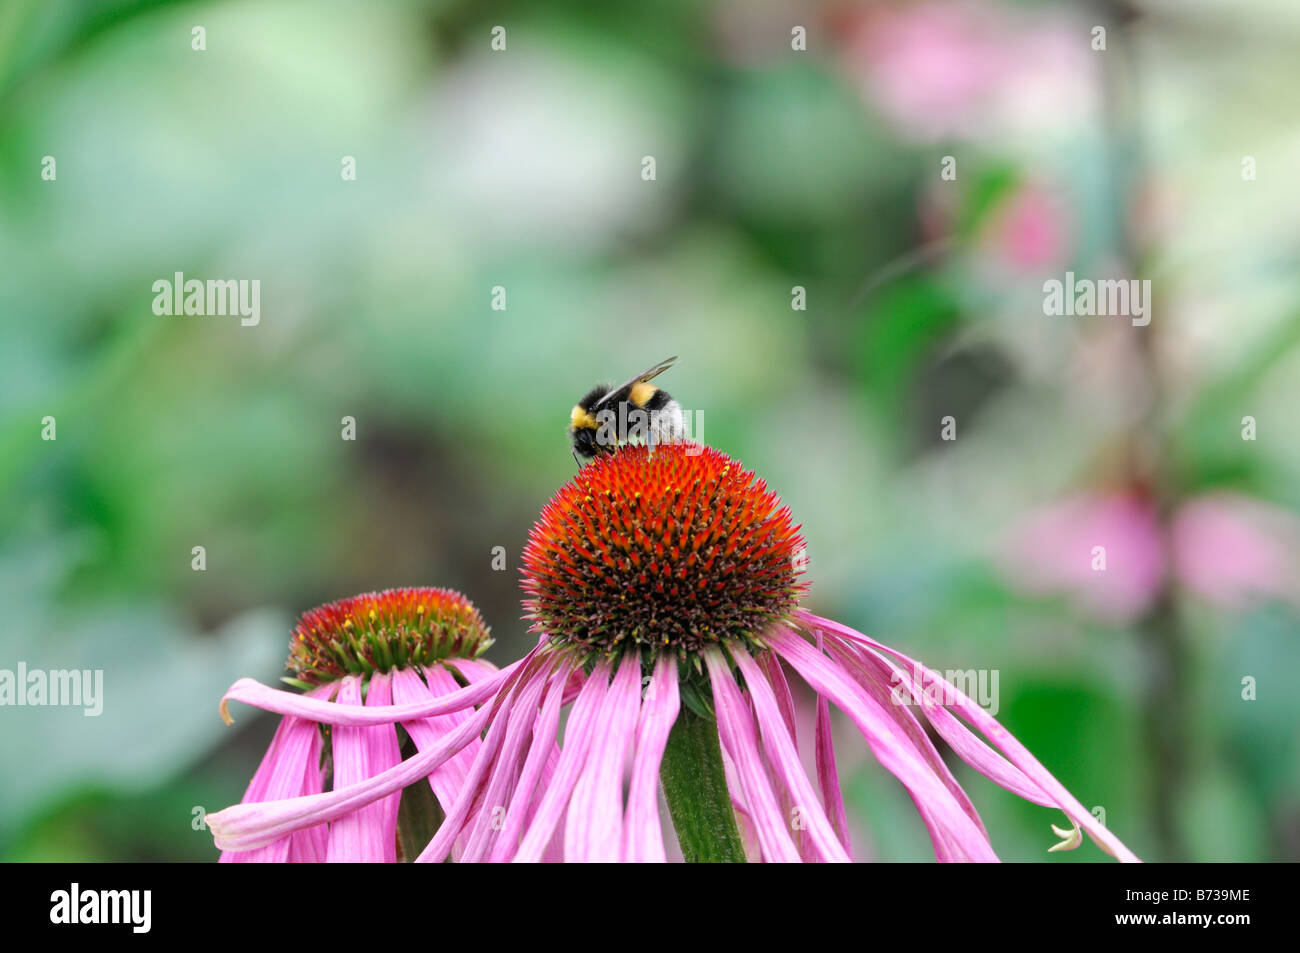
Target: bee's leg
[576, 460]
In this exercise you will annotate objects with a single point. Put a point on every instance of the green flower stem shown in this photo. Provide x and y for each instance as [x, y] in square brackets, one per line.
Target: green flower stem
[419, 815]
[696, 790]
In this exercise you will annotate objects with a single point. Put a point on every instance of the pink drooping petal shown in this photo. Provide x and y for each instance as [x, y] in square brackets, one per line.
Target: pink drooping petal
[578, 736]
[908, 690]
[784, 757]
[878, 682]
[828, 776]
[736, 731]
[410, 689]
[246, 826]
[368, 835]
[469, 806]
[772, 671]
[349, 835]
[280, 774]
[385, 752]
[310, 846]
[947, 849]
[474, 670]
[775, 676]
[945, 817]
[593, 832]
[784, 798]
[555, 852]
[643, 839]
[576, 680]
[744, 822]
[534, 778]
[1001, 739]
[254, 693]
[285, 771]
[271, 769]
[506, 767]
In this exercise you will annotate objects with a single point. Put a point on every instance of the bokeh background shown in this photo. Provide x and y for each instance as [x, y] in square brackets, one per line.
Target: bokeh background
[775, 168]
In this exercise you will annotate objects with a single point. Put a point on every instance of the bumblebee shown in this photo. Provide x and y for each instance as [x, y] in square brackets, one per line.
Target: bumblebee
[635, 412]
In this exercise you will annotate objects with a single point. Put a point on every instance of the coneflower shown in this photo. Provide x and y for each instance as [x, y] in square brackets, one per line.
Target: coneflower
[664, 586]
[409, 647]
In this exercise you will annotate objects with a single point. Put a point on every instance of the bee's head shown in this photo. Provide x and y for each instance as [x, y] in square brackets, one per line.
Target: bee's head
[583, 425]
[584, 442]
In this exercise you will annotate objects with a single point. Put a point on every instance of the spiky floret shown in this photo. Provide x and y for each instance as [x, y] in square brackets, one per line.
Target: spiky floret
[379, 631]
[670, 548]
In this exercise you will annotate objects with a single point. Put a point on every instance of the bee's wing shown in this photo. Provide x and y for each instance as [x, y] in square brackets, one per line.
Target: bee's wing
[620, 393]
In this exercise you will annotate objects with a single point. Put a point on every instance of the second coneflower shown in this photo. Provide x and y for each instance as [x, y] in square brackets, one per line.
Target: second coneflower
[406, 647]
[664, 585]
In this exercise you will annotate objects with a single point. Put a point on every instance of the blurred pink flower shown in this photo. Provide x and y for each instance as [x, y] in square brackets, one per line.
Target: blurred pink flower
[968, 69]
[932, 67]
[1029, 231]
[1224, 548]
[1054, 551]
[1230, 548]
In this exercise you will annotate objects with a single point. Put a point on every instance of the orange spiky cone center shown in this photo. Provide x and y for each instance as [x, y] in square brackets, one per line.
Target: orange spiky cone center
[670, 548]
